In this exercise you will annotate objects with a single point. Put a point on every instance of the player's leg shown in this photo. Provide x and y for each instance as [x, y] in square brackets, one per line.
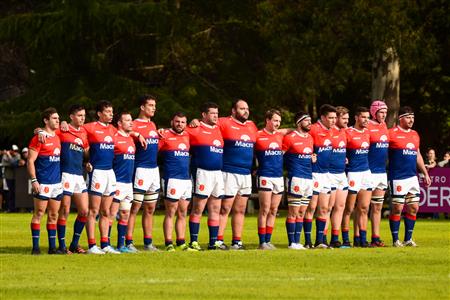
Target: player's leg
[376, 206]
[271, 217]
[198, 206]
[104, 222]
[412, 207]
[180, 224]
[362, 205]
[291, 222]
[113, 211]
[82, 204]
[52, 218]
[150, 201]
[63, 214]
[214, 209]
[321, 218]
[40, 207]
[171, 207]
[307, 221]
[265, 198]
[225, 209]
[94, 207]
[331, 203]
[336, 216]
[349, 208]
[238, 218]
[138, 198]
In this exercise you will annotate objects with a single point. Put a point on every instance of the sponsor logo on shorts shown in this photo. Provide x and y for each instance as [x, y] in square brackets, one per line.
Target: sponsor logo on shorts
[46, 189]
[173, 191]
[263, 182]
[351, 183]
[66, 184]
[97, 186]
[296, 188]
[140, 182]
[201, 187]
[399, 188]
[316, 184]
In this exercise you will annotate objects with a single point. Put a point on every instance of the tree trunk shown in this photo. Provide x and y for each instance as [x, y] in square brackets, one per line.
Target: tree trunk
[386, 82]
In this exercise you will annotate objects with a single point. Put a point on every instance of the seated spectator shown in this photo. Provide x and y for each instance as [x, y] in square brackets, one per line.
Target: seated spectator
[10, 161]
[445, 163]
[430, 159]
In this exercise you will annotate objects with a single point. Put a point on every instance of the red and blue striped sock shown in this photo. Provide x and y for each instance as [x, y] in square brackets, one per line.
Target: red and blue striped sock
[148, 240]
[35, 233]
[363, 236]
[128, 240]
[410, 221]
[235, 240]
[320, 227]
[345, 235]
[269, 230]
[375, 238]
[298, 229]
[307, 225]
[61, 228]
[104, 242]
[109, 233]
[290, 230]
[394, 224]
[334, 236]
[121, 232]
[194, 227]
[78, 227]
[51, 229]
[262, 235]
[91, 243]
[181, 241]
[168, 242]
[213, 226]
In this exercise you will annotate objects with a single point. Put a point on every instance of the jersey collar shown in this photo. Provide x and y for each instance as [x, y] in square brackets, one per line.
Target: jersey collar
[207, 126]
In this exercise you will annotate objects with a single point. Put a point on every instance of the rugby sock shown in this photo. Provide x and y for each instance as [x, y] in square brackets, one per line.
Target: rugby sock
[51, 229]
[269, 230]
[325, 233]
[148, 240]
[194, 228]
[109, 232]
[375, 238]
[345, 235]
[236, 240]
[356, 240]
[362, 236]
[298, 229]
[410, 221]
[307, 227]
[320, 227]
[128, 240]
[78, 227]
[35, 233]
[168, 242]
[91, 243]
[61, 227]
[181, 241]
[213, 226]
[104, 242]
[220, 238]
[394, 224]
[262, 234]
[335, 236]
[290, 229]
[121, 232]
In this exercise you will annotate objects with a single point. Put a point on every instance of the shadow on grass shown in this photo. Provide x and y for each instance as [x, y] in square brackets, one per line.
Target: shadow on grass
[19, 250]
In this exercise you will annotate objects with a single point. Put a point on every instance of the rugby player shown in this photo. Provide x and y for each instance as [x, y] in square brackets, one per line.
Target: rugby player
[338, 178]
[359, 177]
[321, 133]
[123, 166]
[206, 162]
[298, 157]
[44, 170]
[404, 159]
[239, 135]
[74, 147]
[269, 180]
[174, 148]
[378, 152]
[146, 179]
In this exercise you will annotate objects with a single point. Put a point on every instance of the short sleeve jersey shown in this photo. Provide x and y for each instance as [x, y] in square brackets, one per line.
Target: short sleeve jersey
[174, 148]
[338, 154]
[47, 163]
[322, 147]
[403, 147]
[269, 153]
[206, 147]
[101, 144]
[357, 149]
[73, 145]
[239, 139]
[298, 149]
[124, 154]
[379, 145]
[146, 158]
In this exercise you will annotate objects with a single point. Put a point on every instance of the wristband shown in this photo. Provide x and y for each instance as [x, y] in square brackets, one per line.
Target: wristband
[33, 180]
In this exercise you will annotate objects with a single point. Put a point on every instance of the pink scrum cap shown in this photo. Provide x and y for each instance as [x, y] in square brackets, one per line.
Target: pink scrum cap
[376, 106]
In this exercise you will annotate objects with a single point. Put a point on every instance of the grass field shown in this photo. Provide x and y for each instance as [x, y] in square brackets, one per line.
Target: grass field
[396, 273]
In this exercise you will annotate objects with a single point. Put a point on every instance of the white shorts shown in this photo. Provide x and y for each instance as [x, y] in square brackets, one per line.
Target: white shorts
[176, 189]
[49, 191]
[146, 180]
[208, 183]
[359, 181]
[102, 182]
[274, 184]
[338, 181]
[300, 191]
[124, 195]
[379, 181]
[237, 184]
[73, 184]
[400, 188]
[321, 183]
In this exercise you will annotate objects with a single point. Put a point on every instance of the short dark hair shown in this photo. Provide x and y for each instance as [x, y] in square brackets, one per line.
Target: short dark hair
[144, 98]
[207, 105]
[269, 114]
[298, 116]
[48, 112]
[341, 110]
[74, 108]
[235, 102]
[118, 117]
[101, 105]
[361, 109]
[326, 109]
[179, 114]
[405, 110]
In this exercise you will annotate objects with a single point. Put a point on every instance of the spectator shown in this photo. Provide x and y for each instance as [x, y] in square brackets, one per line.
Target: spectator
[430, 160]
[10, 161]
[445, 163]
[24, 159]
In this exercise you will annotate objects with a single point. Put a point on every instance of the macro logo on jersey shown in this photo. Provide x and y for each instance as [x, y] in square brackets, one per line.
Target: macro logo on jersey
[358, 143]
[297, 156]
[379, 144]
[403, 147]
[338, 154]
[73, 144]
[124, 154]
[146, 158]
[206, 147]
[269, 154]
[239, 141]
[174, 148]
[47, 163]
[322, 137]
[101, 153]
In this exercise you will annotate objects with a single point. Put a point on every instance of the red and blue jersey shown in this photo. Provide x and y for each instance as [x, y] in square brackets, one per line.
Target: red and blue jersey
[174, 148]
[269, 153]
[339, 152]
[47, 163]
[358, 143]
[322, 147]
[239, 140]
[403, 147]
[74, 143]
[206, 147]
[124, 151]
[379, 146]
[101, 144]
[146, 158]
[298, 149]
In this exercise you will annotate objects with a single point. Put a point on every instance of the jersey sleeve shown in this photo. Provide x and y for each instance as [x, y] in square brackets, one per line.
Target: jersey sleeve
[35, 144]
[286, 143]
